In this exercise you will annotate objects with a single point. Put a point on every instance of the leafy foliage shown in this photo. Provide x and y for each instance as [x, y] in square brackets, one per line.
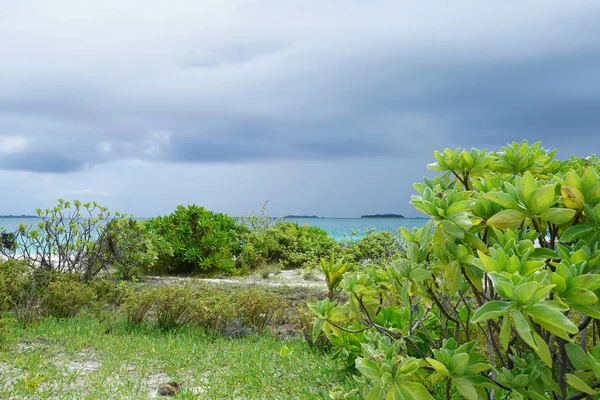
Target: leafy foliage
[73, 237]
[375, 247]
[196, 240]
[286, 243]
[492, 294]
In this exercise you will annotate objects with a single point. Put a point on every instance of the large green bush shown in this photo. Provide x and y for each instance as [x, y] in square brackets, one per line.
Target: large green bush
[287, 244]
[196, 241]
[497, 297]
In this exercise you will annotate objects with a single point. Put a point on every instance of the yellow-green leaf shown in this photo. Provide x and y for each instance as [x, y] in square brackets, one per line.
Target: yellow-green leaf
[579, 384]
[542, 199]
[506, 219]
[558, 216]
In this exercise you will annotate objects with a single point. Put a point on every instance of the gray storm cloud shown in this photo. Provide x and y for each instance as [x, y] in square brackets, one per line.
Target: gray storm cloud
[88, 86]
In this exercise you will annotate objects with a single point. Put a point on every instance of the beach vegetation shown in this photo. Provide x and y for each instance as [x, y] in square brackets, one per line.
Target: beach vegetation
[196, 240]
[287, 244]
[74, 237]
[496, 297]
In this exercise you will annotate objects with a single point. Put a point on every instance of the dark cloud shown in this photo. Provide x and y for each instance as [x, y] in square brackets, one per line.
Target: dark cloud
[39, 162]
[317, 82]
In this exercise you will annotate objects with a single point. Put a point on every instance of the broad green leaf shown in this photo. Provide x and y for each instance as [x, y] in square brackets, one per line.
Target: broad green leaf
[541, 252]
[465, 388]
[576, 231]
[376, 393]
[368, 368]
[579, 384]
[525, 291]
[487, 263]
[549, 316]
[452, 229]
[503, 199]
[506, 219]
[542, 199]
[438, 367]
[542, 351]
[527, 184]
[578, 357]
[523, 328]
[460, 206]
[590, 311]
[416, 389]
[491, 310]
[558, 216]
[581, 296]
[559, 283]
[505, 332]
[459, 364]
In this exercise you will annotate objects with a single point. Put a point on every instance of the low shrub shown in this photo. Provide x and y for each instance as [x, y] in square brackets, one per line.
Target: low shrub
[172, 306]
[373, 248]
[258, 307]
[13, 279]
[65, 298]
[137, 302]
[288, 244]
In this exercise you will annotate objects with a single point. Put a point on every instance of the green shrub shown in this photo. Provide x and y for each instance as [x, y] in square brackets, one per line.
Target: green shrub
[73, 237]
[172, 306]
[287, 244]
[373, 248]
[131, 248]
[496, 297]
[197, 241]
[258, 307]
[13, 279]
[66, 298]
[137, 302]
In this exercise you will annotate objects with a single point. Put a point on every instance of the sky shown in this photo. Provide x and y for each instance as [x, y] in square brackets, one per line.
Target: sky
[324, 107]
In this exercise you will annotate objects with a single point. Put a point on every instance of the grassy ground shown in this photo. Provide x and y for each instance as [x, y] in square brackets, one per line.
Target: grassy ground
[78, 359]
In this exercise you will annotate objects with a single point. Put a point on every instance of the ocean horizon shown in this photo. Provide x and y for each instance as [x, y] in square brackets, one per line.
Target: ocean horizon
[338, 228]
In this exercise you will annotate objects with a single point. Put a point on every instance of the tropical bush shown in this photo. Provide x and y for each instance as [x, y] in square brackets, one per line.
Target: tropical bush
[13, 279]
[287, 244]
[196, 240]
[375, 247]
[72, 238]
[131, 248]
[497, 297]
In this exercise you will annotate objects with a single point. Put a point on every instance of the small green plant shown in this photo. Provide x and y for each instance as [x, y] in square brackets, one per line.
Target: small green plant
[172, 306]
[65, 297]
[13, 279]
[137, 303]
[334, 272]
[33, 383]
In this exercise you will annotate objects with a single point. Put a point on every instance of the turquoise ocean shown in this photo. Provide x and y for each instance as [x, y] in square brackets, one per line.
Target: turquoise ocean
[338, 228]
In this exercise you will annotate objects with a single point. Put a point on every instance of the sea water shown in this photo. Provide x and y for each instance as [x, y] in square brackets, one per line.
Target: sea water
[338, 228]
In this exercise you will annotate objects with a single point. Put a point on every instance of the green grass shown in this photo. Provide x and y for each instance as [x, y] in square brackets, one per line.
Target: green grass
[77, 359]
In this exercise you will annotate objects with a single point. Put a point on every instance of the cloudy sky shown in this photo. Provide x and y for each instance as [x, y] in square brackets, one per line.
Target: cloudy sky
[327, 107]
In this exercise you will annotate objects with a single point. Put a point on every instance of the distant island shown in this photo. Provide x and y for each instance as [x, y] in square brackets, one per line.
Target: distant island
[18, 216]
[383, 216]
[301, 216]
